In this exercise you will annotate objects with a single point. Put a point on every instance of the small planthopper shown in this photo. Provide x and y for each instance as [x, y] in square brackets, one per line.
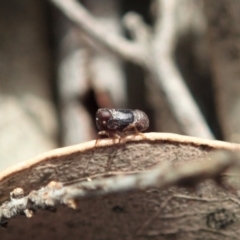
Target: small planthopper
[110, 122]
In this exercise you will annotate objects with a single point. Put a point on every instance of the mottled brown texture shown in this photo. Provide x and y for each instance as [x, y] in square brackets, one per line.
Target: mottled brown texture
[175, 213]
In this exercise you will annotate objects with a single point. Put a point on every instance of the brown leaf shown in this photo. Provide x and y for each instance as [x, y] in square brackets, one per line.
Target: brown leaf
[208, 212]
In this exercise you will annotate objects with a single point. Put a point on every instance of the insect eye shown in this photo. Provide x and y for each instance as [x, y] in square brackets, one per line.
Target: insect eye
[105, 115]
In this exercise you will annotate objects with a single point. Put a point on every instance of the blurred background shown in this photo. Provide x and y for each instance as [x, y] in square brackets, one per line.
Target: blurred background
[53, 78]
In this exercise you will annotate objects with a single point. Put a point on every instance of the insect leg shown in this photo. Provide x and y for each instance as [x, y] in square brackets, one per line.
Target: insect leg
[110, 159]
[101, 133]
[132, 126]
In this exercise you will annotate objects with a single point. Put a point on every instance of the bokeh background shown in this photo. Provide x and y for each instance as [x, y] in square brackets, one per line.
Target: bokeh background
[53, 78]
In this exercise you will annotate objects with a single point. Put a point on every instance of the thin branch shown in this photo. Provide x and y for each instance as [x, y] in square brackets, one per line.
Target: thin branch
[138, 29]
[115, 43]
[162, 176]
[168, 76]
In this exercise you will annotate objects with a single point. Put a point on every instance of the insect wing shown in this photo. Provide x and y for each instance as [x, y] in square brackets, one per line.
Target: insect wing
[125, 116]
[121, 119]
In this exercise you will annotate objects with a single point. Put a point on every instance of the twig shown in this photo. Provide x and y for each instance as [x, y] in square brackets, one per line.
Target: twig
[168, 75]
[115, 43]
[162, 176]
[139, 30]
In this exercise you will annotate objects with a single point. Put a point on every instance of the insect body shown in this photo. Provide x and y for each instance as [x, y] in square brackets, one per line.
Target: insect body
[112, 121]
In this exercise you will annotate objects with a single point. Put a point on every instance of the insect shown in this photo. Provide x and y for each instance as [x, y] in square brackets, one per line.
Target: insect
[110, 122]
